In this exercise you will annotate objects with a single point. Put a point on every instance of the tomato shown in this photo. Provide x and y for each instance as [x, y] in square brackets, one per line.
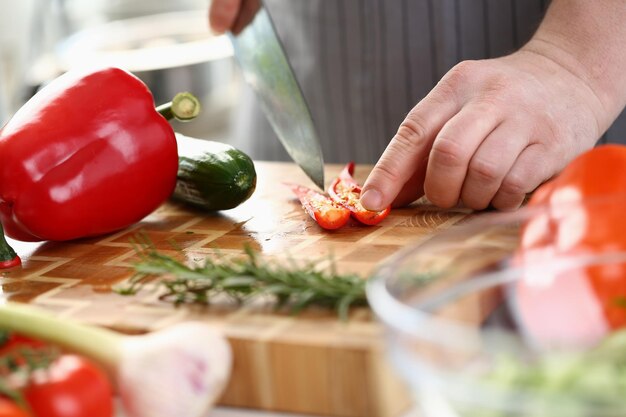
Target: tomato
[328, 214]
[58, 386]
[13, 344]
[10, 409]
[345, 191]
[71, 386]
[580, 212]
[12, 341]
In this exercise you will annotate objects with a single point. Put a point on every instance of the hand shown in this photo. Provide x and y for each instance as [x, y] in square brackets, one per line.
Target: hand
[489, 133]
[233, 15]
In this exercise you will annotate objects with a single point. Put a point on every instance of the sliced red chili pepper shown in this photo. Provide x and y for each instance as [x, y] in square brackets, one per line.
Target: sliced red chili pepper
[328, 214]
[346, 191]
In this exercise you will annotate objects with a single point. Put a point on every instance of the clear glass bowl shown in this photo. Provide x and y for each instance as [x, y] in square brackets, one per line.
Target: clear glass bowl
[477, 329]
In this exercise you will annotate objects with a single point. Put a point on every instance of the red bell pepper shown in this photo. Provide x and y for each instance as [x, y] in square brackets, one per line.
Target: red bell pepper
[328, 214]
[87, 155]
[344, 190]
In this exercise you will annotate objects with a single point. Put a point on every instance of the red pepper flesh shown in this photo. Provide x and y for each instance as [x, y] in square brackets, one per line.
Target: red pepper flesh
[328, 214]
[344, 190]
[87, 155]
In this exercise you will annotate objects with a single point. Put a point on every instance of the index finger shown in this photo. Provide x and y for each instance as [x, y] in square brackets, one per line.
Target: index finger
[408, 149]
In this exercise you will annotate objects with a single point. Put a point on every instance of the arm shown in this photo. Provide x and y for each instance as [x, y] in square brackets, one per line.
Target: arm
[493, 130]
[588, 39]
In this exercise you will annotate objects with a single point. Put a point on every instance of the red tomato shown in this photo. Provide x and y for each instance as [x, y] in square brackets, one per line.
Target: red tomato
[345, 191]
[16, 341]
[9, 409]
[580, 212]
[328, 214]
[71, 387]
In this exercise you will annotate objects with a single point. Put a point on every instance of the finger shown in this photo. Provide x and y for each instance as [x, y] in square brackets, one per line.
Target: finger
[222, 14]
[526, 174]
[408, 148]
[249, 9]
[493, 159]
[414, 187]
[453, 149]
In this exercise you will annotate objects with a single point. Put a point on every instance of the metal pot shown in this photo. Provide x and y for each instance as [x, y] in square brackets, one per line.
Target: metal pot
[170, 52]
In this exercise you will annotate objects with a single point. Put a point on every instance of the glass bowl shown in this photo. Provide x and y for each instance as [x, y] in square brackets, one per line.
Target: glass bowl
[505, 316]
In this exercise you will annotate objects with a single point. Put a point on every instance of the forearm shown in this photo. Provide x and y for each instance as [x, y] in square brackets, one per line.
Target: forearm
[588, 38]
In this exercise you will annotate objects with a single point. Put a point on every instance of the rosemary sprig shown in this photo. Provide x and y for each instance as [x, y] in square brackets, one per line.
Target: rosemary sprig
[243, 278]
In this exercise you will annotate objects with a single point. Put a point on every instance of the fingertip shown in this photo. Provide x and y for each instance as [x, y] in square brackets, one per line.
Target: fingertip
[372, 199]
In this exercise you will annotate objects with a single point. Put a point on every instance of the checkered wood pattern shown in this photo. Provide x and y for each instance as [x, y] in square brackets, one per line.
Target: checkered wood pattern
[311, 363]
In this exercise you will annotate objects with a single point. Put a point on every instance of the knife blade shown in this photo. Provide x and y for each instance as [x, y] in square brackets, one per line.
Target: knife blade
[266, 69]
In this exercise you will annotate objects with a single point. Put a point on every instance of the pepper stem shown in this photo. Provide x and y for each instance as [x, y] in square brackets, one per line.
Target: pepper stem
[8, 257]
[183, 107]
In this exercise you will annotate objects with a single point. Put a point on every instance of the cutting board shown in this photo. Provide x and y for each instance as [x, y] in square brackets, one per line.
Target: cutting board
[310, 363]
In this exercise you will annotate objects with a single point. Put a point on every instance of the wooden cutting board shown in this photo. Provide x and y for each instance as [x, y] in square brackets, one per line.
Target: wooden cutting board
[311, 363]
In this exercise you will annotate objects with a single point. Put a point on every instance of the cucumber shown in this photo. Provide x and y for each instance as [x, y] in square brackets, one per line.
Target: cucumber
[212, 175]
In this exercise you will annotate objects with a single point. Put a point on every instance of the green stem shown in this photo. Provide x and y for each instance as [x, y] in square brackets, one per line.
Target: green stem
[183, 107]
[101, 345]
[8, 257]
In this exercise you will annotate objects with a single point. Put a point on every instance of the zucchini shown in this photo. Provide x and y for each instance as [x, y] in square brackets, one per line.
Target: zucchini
[212, 175]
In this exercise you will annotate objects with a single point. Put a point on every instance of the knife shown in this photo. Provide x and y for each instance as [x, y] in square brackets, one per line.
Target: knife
[266, 69]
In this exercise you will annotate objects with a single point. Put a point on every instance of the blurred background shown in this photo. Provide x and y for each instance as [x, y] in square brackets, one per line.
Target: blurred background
[166, 43]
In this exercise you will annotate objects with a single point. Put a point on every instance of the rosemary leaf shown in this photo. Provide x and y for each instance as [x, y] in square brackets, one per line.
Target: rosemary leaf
[296, 286]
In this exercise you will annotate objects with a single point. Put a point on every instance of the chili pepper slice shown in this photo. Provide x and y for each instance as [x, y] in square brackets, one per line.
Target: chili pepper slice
[345, 191]
[327, 213]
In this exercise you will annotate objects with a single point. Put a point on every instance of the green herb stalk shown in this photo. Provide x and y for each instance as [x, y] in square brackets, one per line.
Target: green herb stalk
[243, 278]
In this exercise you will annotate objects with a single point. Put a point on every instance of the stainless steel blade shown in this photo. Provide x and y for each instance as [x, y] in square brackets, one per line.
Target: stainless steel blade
[267, 70]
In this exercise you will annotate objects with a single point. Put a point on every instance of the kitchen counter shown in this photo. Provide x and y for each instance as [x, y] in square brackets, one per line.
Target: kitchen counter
[311, 363]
